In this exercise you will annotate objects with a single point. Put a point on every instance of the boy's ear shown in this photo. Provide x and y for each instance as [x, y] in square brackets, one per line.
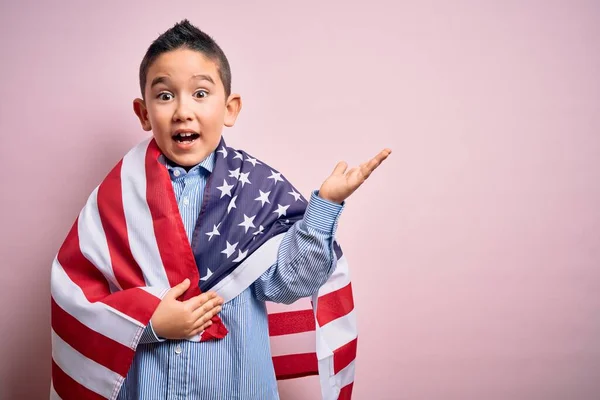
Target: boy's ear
[139, 107]
[234, 106]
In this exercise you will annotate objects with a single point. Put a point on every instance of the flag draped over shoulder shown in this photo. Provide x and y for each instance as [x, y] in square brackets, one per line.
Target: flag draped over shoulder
[128, 247]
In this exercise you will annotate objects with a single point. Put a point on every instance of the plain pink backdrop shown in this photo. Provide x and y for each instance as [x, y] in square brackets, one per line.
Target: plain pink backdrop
[475, 249]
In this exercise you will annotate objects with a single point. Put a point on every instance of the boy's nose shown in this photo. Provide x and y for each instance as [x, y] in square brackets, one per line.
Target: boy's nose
[183, 112]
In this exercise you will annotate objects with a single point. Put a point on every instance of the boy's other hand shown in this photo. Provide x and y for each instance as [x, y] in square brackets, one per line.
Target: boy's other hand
[341, 183]
[174, 319]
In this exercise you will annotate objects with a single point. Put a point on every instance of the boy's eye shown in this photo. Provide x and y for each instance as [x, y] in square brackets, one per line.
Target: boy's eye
[201, 94]
[164, 96]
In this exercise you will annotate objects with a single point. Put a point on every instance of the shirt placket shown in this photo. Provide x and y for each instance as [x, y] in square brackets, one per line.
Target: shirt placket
[179, 356]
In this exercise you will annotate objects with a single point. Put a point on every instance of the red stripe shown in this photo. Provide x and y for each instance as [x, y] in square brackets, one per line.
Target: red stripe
[91, 344]
[295, 365]
[69, 389]
[112, 215]
[335, 305]
[346, 392]
[173, 244]
[135, 302]
[80, 270]
[344, 355]
[286, 323]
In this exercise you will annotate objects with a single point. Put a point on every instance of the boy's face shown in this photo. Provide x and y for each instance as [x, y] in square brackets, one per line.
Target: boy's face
[185, 106]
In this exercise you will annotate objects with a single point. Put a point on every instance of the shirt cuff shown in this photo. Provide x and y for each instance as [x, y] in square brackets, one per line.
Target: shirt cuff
[322, 215]
[149, 336]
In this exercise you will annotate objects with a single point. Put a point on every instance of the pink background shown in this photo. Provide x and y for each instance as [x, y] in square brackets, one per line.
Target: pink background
[475, 249]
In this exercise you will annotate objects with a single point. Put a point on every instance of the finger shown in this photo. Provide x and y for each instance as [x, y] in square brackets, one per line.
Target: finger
[202, 328]
[205, 308]
[178, 289]
[340, 168]
[199, 300]
[202, 318]
[369, 167]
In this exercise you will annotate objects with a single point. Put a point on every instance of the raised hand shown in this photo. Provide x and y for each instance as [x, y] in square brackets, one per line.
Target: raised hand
[341, 183]
[174, 319]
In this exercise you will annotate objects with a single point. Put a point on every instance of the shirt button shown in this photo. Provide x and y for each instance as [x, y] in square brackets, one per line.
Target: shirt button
[186, 201]
[176, 172]
[178, 349]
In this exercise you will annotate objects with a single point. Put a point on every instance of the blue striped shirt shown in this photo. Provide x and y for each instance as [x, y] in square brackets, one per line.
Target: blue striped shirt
[238, 366]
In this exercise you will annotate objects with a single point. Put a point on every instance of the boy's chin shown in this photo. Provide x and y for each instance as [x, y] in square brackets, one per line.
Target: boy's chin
[187, 160]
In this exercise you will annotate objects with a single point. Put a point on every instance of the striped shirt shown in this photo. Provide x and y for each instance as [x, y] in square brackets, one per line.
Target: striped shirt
[238, 366]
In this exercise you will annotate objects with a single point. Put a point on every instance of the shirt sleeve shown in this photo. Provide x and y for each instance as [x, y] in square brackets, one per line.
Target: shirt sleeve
[306, 258]
[149, 336]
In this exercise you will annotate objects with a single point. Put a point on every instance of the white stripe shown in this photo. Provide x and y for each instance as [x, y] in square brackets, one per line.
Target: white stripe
[295, 343]
[249, 270]
[97, 316]
[53, 394]
[299, 305]
[346, 376]
[335, 334]
[140, 228]
[87, 372]
[339, 279]
[92, 240]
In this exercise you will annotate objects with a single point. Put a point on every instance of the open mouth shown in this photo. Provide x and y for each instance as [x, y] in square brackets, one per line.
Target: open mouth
[185, 137]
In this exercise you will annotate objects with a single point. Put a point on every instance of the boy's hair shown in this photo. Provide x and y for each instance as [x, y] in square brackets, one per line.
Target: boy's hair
[186, 35]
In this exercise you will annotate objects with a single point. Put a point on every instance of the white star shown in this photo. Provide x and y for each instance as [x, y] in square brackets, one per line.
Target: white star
[225, 189]
[208, 274]
[248, 222]
[276, 176]
[235, 173]
[259, 231]
[281, 210]
[230, 249]
[215, 231]
[231, 204]
[241, 255]
[244, 178]
[296, 195]
[223, 151]
[253, 161]
[238, 155]
[263, 198]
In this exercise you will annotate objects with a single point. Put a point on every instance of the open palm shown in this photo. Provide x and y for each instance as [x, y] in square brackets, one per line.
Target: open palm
[343, 182]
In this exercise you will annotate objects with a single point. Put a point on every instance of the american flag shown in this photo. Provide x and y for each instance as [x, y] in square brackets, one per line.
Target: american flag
[128, 247]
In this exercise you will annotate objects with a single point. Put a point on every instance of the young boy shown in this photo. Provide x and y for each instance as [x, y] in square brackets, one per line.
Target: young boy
[165, 218]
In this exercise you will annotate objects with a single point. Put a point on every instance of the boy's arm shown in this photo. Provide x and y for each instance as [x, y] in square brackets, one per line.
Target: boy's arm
[306, 258]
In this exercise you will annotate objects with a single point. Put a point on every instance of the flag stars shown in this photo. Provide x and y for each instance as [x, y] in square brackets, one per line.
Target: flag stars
[223, 151]
[259, 231]
[276, 176]
[244, 178]
[225, 189]
[231, 204]
[214, 232]
[238, 155]
[230, 249]
[281, 210]
[248, 222]
[241, 255]
[253, 161]
[235, 173]
[263, 198]
[296, 195]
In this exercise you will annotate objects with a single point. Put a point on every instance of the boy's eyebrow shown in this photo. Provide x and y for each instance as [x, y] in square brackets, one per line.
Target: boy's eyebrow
[157, 80]
[204, 77]
[165, 79]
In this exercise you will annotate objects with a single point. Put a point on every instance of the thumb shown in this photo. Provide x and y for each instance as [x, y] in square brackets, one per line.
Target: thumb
[340, 168]
[179, 289]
